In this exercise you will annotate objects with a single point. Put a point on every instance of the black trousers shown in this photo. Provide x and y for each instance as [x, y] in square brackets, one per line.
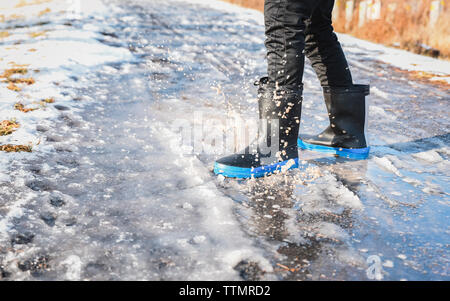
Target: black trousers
[295, 28]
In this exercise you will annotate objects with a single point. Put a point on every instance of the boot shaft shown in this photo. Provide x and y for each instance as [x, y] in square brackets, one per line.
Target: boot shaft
[276, 148]
[279, 112]
[348, 113]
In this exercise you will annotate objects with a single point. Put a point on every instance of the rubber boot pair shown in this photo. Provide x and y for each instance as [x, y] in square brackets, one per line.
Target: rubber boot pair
[345, 136]
[295, 29]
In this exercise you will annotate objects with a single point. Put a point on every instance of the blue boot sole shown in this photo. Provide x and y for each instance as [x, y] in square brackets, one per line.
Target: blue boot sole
[245, 173]
[355, 153]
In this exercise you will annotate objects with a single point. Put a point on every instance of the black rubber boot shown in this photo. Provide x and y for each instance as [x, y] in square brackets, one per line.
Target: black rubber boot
[346, 134]
[275, 148]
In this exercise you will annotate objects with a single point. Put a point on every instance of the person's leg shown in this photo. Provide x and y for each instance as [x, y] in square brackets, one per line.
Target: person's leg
[346, 103]
[285, 24]
[323, 49]
[280, 95]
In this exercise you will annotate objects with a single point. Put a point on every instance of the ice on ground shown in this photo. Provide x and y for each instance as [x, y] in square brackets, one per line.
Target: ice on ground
[106, 195]
[430, 156]
[381, 113]
[378, 92]
[56, 63]
[73, 265]
[387, 165]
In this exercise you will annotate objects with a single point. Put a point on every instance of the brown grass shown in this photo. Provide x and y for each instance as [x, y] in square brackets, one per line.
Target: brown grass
[48, 100]
[4, 34]
[20, 107]
[407, 27]
[27, 81]
[255, 4]
[10, 148]
[13, 82]
[11, 17]
[7, 127]
[44, 102]
[45, 11]
[37, 34]
[23, 3]
[20, 66]
[13, 87]
[425, 77]
[10, 72]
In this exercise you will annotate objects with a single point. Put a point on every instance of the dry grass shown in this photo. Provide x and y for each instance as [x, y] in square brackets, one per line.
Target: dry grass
[406, 27]
[10, 148]
[4, 34]
[11, 17]
[45, 11]
[44, 102]
[48, 100]
[425, 77]
[10, 72]
[20, 107]
[13, 87]
[255, 4]
[7, 127]
[14, 82]
[23, 3]
[27, 81]
[37, 34]
[15, 65]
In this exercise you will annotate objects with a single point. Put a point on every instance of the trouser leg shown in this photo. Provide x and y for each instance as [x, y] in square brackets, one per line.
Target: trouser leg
[323, 48]
[285, 24]
[346, 103]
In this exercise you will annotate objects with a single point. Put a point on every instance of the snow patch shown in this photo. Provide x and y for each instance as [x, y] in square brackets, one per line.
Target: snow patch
[387, 165]
[399, 58]
[430, 156]
[374, 90]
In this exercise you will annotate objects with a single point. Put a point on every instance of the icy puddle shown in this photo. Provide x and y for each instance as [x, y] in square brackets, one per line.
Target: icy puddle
[111, 195]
